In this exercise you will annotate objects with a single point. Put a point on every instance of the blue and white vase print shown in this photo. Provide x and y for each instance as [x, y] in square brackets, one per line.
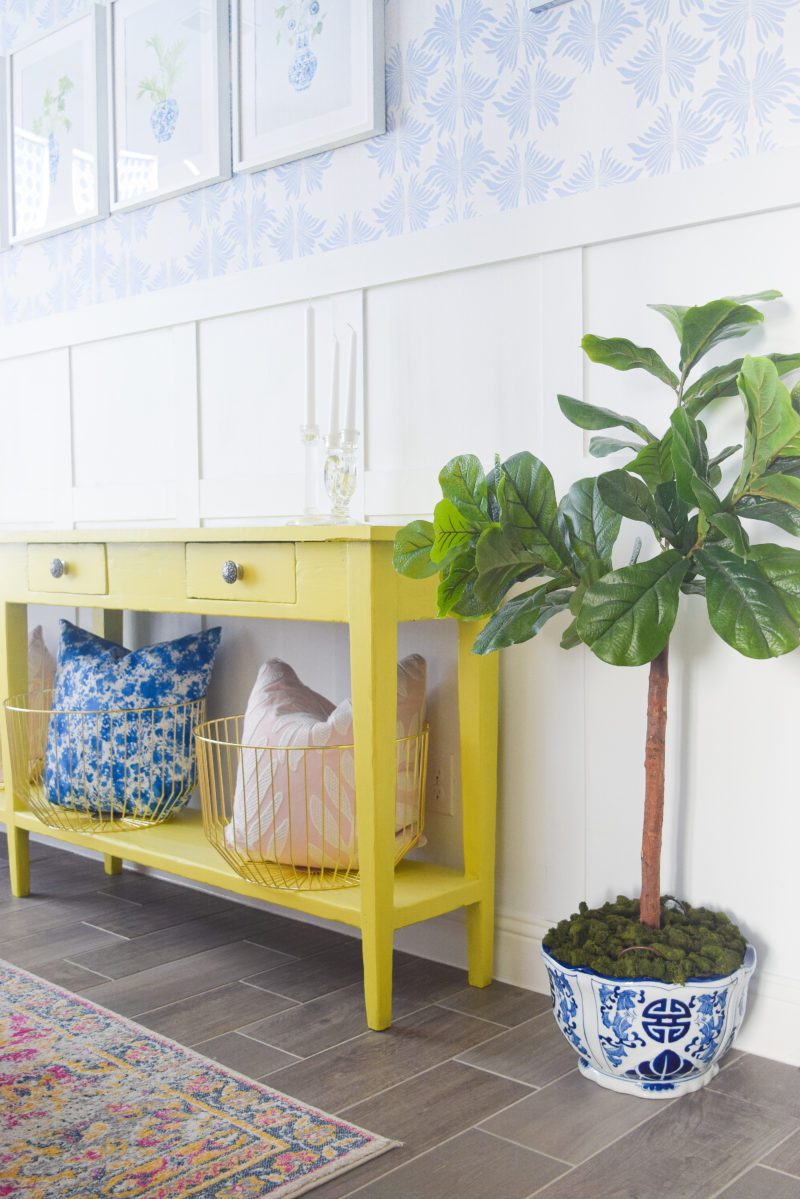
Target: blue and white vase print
[299, 21]
[163, 119]
[53, 155]
[644, 1037]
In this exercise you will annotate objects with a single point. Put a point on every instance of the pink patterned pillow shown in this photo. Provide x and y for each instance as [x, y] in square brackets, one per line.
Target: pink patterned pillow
[299, 808]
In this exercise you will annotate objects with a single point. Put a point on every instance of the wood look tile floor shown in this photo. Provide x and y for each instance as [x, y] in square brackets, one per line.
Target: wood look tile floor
[479, 1086]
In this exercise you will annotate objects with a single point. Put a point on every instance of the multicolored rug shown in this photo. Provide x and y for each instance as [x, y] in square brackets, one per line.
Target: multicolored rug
[92, 1105]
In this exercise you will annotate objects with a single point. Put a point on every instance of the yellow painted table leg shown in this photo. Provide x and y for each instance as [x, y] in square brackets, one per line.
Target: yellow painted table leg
[373, 668]
[112, 865]
[478, 681]
[19, 861]
[14, 681]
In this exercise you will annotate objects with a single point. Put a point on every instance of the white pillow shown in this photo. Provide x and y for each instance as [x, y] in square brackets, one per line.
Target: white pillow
[41, 675]
[299, 808]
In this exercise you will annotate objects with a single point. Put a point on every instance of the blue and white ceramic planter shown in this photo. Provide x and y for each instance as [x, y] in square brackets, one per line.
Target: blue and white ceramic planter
[644, 1037]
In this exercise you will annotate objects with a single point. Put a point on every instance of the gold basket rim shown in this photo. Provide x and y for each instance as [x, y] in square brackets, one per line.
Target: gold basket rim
[12, 704]
[200, 736]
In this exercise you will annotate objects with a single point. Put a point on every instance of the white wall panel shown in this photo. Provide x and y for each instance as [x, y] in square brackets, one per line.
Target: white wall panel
[35, 456]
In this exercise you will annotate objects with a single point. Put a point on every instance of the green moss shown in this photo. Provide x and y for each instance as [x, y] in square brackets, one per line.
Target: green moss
[691, 943]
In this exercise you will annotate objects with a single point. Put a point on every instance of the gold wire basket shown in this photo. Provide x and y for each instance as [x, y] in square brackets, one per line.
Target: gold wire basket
[102, 771]
[286, 817]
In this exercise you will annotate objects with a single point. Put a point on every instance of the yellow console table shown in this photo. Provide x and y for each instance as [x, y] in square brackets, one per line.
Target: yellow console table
[341, 574]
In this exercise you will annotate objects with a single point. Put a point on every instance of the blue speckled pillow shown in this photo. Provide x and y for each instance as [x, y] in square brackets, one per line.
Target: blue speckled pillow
[130, 758]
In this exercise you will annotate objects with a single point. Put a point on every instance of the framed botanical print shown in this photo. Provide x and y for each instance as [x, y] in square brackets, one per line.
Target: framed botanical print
[308, 75]
[56, 129]
[169, 98]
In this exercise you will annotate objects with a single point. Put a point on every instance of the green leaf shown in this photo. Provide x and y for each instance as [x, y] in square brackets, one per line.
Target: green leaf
[754, 606]
[731, 529]
[689, 453]
[454, 581]
[784, 466]
[452, 531]
[528, 509]
[772, 511]
[500, 563]
[723, 455]
[570, 636]
[693, 585]
[624, 355]
[588, 416]
[653, 463]
[772, 423]
[785, 488]
[628, 496]
[674, 314]
[521, 618]
[672, 515]
[412, 550]
[721, 381]
[770, 294]
[463, 483]
[589, 525]
[627, 616]
[707, 325]
[601, 447]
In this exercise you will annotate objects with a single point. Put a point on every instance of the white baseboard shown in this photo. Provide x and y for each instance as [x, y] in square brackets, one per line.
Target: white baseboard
[771, 1029]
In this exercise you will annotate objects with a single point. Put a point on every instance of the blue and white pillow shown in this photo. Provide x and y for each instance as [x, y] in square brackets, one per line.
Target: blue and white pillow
[135, 757]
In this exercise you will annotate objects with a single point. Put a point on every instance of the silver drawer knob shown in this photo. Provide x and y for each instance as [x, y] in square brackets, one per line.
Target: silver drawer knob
[58, 568]
[231, 571]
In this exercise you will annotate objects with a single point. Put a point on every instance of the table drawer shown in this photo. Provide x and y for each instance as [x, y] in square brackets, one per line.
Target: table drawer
[259, 572]
[73, 569]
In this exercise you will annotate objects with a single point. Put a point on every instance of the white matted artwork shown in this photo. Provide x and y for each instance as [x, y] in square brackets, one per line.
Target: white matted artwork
[3, 151]
[169, 98]
[308, 76]
[56, 129]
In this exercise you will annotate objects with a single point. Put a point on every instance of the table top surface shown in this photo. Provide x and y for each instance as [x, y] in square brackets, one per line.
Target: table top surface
[283, 532]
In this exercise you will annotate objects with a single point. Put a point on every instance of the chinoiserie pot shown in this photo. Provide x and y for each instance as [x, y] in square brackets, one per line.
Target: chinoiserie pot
[644, 1037]
[163, 119]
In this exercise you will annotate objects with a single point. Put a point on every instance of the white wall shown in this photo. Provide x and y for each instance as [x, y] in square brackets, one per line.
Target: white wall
[187, 410]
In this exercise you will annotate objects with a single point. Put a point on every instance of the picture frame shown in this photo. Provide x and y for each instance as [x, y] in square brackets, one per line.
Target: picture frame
[55, 129]
[169, 116]
[4, 122]
[304, 80]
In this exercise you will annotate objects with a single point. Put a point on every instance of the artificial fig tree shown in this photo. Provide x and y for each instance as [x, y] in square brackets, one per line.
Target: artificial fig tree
[493, 531]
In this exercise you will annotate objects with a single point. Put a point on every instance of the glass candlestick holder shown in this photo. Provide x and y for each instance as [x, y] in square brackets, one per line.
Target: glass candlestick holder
[341, 473]
[311, 441]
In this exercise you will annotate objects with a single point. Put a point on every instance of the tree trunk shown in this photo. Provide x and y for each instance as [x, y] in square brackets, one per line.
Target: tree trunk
[654, 789]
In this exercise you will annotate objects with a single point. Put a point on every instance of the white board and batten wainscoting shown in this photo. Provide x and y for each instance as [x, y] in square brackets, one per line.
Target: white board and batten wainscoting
[183, 407]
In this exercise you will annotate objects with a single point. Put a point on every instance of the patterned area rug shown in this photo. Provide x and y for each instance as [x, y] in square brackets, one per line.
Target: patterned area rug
[94, 1105]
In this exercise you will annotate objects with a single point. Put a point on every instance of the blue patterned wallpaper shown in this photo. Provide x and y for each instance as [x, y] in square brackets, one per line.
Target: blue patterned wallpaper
[489, 108]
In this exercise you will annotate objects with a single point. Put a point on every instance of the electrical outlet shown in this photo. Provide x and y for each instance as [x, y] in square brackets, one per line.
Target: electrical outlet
[440, 789]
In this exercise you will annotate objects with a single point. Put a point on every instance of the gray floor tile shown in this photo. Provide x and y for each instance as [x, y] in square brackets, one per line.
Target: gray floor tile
[759, 1080]
[787, 1156]
[571, 1119]
[136, 920]
[142, 888]
[689, 1150]
[761, 1183]
[422, 981]
[473, 1165]
[245, 1055]
[322, 1023]
[348, 1073]
[423, 1111]
[31, 916]
[499, 1002]
[201, 1017]
[183, 977]
[311, 977]
[62, 941]
[180, 940]
[535, 1052]
[69, 975]
[298, 938]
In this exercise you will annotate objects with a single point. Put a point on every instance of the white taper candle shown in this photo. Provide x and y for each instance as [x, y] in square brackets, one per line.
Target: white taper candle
[350, 414]
[334, 426]
[311, 398]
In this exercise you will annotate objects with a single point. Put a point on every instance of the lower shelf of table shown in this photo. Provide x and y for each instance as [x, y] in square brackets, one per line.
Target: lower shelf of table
[179, 846]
